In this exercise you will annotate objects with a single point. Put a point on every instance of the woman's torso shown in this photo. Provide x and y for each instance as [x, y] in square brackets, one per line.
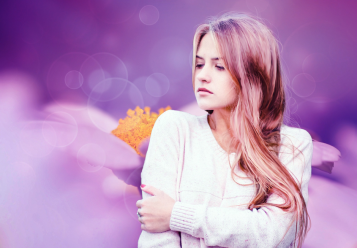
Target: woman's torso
[205, 176]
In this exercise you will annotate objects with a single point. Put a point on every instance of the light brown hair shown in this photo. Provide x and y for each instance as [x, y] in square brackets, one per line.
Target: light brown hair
[250, 53]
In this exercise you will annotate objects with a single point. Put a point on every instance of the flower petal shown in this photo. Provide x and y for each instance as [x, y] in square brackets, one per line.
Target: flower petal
[324, 156]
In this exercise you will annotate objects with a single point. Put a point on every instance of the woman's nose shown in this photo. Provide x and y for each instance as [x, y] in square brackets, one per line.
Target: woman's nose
[203, 74]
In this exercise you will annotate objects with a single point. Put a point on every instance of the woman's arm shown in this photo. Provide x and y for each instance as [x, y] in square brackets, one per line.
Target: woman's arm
[160, 170]
[229, 227]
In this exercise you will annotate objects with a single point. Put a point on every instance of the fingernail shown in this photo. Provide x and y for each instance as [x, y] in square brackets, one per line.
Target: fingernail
[142, 186]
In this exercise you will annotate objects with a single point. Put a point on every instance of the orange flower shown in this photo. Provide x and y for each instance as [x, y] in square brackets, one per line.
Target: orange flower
[137, 126]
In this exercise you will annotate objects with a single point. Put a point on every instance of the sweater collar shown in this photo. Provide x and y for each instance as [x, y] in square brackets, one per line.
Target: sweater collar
[211, 139]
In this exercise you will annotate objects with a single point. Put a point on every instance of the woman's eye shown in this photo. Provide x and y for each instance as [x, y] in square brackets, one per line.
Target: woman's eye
[201, 65]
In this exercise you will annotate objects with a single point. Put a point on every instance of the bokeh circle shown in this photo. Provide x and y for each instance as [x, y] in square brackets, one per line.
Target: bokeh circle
[149, 15]
[157, 84]
[58, 81]
[303, 85]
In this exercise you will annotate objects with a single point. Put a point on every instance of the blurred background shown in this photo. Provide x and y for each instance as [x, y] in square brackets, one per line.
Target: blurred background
[69, 70]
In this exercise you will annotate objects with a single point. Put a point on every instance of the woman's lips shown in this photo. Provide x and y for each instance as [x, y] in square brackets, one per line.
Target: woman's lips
[202, 93]
[204, 90]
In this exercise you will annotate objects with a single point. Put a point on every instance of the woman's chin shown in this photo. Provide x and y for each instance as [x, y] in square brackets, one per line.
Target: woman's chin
[202, 105]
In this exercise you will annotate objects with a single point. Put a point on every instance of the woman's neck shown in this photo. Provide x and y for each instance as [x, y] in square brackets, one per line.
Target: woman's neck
[220, 128]
[219, 122]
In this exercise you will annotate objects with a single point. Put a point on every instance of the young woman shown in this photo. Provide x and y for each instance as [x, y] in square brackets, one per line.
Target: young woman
[236, 177]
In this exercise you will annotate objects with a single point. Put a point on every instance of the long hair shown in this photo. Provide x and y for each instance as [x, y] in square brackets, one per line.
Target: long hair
[250, 53]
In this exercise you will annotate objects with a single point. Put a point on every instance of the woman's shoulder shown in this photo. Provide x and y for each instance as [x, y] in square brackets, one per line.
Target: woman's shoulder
[295, 133]
[178, 118]
[293, 137]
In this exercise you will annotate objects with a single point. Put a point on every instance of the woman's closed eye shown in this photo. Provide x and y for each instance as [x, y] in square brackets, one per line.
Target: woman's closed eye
[201, 65]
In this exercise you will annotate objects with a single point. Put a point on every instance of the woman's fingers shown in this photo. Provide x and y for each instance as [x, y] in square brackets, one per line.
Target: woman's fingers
[151, 190]
[139, 204]
[140, 219]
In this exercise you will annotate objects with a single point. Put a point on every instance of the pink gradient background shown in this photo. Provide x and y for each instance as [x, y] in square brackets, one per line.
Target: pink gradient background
[70, 69]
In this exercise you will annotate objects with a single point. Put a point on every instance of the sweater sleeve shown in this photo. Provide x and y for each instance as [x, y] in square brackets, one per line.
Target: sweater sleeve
[263, 227]
[160, 170]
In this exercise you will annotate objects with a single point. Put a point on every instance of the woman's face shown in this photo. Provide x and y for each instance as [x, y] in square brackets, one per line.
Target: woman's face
[210, 73]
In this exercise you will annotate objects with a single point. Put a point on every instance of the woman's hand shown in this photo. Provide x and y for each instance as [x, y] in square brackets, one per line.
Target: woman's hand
[155, 211]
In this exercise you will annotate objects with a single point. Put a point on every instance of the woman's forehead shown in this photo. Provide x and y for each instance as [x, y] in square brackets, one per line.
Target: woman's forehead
[207, 48]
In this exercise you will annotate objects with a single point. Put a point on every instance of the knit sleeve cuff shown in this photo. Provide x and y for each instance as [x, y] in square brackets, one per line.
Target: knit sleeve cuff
[183, 217]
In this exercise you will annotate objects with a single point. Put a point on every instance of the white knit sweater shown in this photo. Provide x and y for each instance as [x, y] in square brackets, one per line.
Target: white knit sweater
[186, 162]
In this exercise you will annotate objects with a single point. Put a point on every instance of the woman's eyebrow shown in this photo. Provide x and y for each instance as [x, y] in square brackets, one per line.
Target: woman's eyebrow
[198, 57]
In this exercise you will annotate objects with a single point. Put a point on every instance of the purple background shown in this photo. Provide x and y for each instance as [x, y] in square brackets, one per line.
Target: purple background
[317, 37]
[149, 44]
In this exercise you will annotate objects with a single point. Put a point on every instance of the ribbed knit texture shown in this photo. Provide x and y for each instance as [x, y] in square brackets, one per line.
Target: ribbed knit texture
[187, 163]
[183, 217]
